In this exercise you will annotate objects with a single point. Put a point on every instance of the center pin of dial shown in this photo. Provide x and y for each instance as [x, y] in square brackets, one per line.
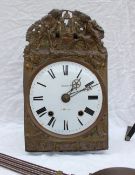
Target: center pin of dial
[65, 98]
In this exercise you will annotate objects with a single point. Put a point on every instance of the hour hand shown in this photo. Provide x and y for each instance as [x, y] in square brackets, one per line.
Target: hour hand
[75, 85]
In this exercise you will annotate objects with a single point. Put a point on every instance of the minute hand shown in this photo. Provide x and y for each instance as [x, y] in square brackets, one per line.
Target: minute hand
[84, 89]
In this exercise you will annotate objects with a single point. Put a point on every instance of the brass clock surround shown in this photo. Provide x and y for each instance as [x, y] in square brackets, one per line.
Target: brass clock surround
[28, 102]
[92, 55]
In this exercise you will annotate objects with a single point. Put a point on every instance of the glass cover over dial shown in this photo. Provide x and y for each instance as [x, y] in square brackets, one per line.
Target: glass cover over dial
[65, 97]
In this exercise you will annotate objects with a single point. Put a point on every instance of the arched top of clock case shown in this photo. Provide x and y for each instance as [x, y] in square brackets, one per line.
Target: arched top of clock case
[64, 32]
[63, 29]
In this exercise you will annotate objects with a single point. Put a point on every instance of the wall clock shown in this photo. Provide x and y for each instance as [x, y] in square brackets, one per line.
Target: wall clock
[65, 84]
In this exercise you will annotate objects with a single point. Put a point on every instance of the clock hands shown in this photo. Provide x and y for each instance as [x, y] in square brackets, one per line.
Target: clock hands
[84, 89]
[75, 85]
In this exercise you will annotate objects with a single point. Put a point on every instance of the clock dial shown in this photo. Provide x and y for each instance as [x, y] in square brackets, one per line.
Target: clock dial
[65, 97]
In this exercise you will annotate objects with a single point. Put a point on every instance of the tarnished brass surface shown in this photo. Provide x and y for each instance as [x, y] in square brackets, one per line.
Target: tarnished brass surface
[65, 35]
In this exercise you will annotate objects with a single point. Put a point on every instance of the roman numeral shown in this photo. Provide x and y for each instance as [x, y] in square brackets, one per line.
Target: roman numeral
[41, 111]
[38, 98]
[79, 73]
[80, 121]
[41, 84]
[89, 84]
[65, 69]
[51, 73]
[89, 111]
[52, 121]
[65, 125]
[92, 97]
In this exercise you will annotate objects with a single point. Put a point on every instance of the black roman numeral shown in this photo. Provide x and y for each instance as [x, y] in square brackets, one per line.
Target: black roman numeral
[79, 73]
[65, 125]
[51, 73]
[89, 111]
[41, 111]
[38, 98]
[41, 84]
[65, 69]
[92, 97]
[89, 84]
[52, 121]
[80, 121]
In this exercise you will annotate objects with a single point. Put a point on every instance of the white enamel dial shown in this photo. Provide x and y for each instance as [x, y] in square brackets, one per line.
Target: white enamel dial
[65, 97]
